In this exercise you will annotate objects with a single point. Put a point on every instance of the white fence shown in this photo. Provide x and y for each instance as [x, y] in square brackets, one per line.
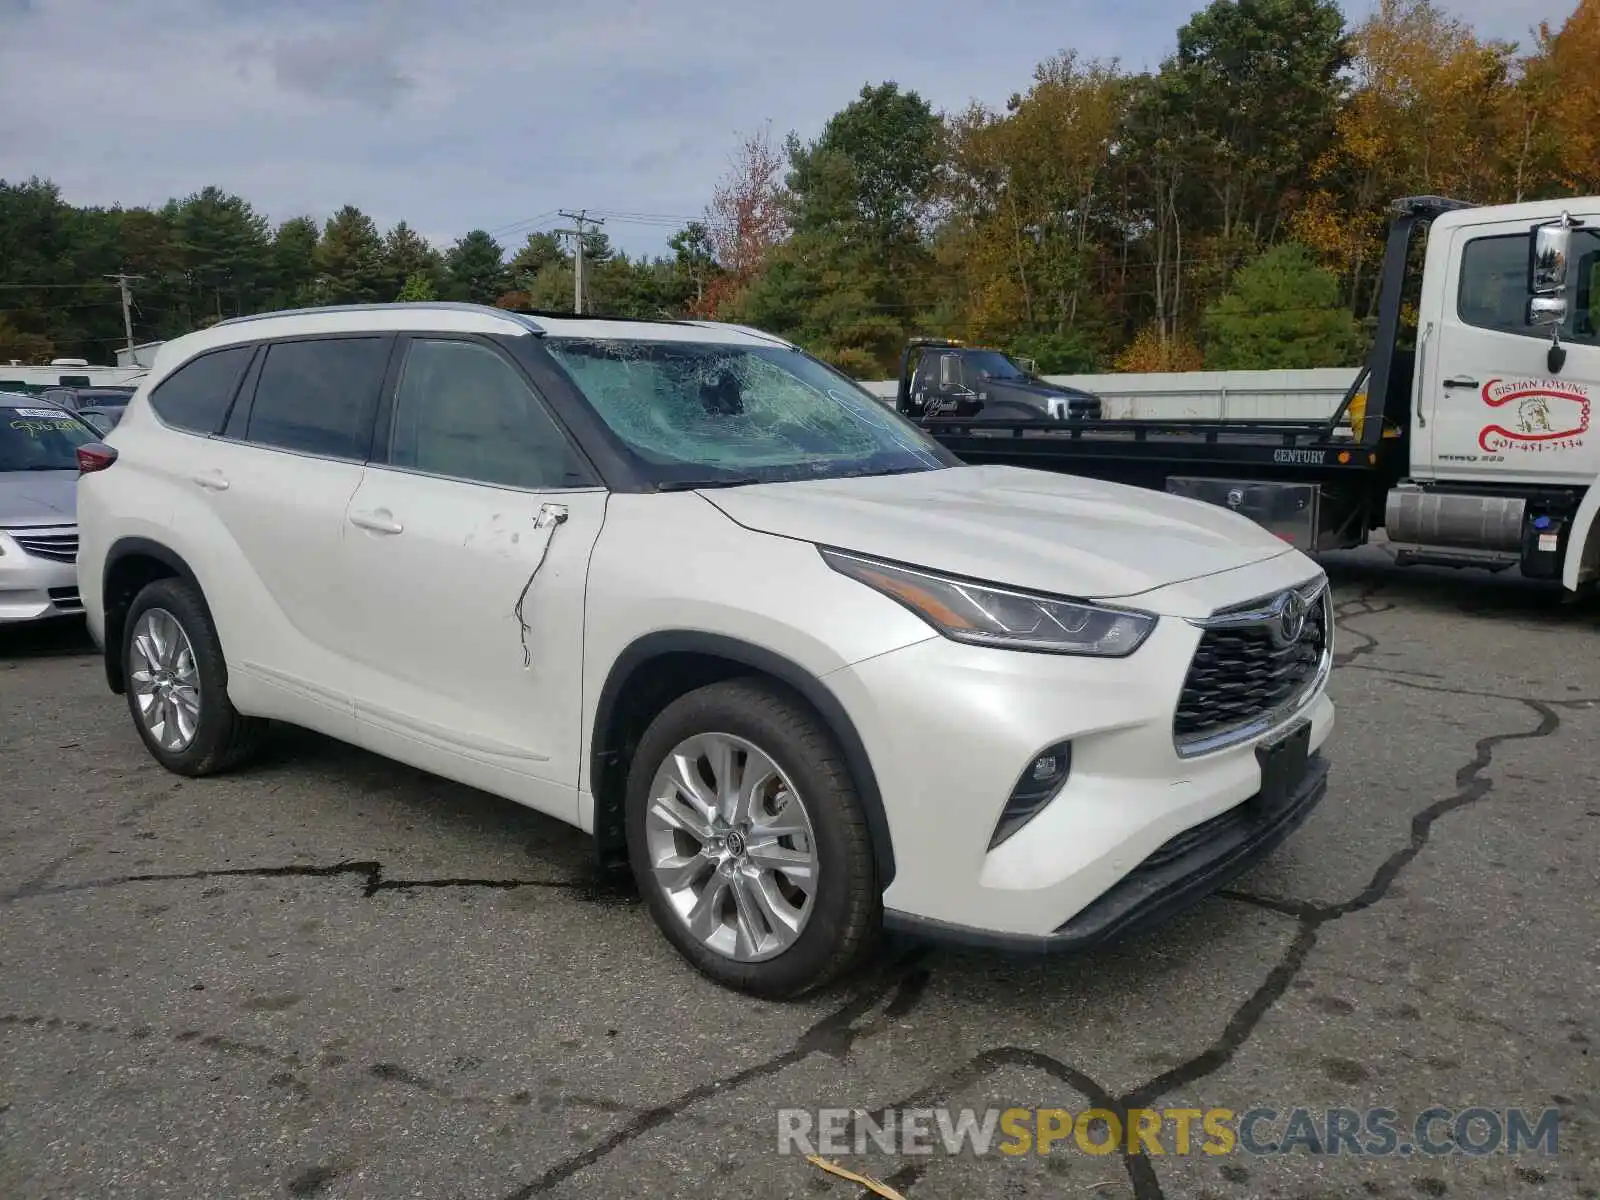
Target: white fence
[1204, 395]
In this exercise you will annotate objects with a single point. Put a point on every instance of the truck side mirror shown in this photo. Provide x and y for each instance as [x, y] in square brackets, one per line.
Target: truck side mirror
[949, 374]
[1548, 252]
[1547, 311]
[1547, 266]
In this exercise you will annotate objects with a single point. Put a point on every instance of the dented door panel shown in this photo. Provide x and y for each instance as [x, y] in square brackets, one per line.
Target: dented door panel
[469, 631]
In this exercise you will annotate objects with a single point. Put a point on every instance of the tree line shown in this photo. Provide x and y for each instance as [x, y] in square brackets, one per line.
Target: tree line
[1224, 210]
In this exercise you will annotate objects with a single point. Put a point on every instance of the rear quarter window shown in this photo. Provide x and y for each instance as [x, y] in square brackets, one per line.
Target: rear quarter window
[196, 396]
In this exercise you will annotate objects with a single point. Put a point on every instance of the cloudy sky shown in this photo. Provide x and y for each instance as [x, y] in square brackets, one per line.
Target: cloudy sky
[454, 114]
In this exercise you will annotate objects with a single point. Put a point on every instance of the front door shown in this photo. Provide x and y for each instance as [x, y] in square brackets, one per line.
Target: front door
[1492, 404]
[468, 545]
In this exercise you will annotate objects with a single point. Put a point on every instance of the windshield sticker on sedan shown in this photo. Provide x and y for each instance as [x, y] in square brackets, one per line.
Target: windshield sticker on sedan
[36, 426]
[49, 414]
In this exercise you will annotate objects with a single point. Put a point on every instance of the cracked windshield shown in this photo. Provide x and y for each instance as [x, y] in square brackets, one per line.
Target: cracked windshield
[737, 414]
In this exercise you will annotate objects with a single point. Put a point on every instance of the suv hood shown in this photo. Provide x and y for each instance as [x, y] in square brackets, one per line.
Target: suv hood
[38, 497]
[1041, 530]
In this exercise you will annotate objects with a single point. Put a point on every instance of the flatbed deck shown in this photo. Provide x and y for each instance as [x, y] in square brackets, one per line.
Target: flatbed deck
[1316, 446]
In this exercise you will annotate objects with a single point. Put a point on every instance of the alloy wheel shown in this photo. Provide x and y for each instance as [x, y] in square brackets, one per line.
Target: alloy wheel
[731, 846]
[165, 680]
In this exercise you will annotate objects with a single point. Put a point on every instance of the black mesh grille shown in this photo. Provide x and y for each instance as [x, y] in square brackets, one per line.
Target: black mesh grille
[1243, 672]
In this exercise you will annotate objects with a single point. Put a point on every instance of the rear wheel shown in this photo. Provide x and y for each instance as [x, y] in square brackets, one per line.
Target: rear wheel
[748, 840]
[177, 683]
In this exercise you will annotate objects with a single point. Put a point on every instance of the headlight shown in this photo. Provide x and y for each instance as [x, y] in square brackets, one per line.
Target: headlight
[984, 615]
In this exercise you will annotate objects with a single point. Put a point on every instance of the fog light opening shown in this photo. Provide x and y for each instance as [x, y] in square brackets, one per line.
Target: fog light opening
[1041, 779]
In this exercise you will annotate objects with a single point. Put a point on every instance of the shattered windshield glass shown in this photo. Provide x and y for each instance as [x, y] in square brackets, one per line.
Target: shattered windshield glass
[739, 413]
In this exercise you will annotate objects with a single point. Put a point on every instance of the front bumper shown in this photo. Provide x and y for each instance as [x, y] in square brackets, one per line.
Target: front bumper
[33, 588]
[951, 728]
[1181, 872]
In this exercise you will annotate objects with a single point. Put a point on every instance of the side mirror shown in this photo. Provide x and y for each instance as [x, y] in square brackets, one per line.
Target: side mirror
[949, 376]
[1548, 253]
[1547, 311]
[1547, 269]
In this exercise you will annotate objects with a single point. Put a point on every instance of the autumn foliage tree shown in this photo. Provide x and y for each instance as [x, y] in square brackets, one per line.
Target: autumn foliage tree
[1096, 218]
[745, 218]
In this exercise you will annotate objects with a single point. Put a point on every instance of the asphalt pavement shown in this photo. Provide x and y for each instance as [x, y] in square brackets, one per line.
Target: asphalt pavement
[331, 976]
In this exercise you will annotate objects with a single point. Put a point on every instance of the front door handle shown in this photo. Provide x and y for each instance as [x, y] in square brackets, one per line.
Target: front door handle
[1458, 382]
[381, 521]
[211, 480]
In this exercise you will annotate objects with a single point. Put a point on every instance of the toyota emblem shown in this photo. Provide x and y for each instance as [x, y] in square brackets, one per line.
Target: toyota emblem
[1291, 617]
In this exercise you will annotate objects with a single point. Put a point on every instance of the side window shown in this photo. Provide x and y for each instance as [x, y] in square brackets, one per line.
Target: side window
[1494, 281]
[195, 396]
[462, 411]
[318, 397]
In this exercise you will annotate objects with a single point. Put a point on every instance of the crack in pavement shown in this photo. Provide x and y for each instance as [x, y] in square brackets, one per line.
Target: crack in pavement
[1471, 786]
[1357, 606]
[907, 979]
[386, 1072]
[369, 872]
[833, 1035]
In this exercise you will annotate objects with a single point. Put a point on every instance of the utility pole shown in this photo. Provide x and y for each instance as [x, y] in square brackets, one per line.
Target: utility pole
[127, 305]
[579, 220]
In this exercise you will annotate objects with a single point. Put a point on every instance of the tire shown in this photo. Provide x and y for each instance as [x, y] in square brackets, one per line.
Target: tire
[221, 738]
[841, 919]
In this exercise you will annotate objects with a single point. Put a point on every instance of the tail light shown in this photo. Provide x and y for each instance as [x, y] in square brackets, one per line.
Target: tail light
[95, 456]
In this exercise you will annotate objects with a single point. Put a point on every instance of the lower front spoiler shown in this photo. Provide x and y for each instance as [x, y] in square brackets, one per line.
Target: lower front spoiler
[1180, 873]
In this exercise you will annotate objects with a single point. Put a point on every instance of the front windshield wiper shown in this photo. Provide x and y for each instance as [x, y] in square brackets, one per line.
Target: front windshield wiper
[692, 485]
[871, 472]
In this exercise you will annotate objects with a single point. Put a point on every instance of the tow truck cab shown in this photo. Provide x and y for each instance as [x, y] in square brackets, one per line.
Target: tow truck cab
[943, 377]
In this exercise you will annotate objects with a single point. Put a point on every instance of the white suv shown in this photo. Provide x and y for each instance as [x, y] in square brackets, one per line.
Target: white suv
[687, 588]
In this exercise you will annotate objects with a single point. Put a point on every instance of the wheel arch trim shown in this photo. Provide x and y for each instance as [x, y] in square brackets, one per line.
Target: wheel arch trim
[608, 815]
[121, 550]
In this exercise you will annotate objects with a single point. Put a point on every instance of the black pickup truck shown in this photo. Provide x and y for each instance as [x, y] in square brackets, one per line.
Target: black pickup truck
[943, 378]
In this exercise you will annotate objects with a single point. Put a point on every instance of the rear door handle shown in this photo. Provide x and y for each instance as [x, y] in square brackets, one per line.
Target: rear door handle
[1458, 382]
[381, 521]
[211, 480]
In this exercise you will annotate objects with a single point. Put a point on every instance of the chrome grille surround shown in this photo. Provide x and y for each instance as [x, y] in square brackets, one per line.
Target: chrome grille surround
[1256, 666]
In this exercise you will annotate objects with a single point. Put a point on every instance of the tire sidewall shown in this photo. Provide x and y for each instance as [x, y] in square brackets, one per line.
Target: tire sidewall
[185, 607]
[827, 806]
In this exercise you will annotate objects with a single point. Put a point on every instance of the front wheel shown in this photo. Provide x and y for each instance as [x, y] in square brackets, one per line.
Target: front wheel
[748, 841]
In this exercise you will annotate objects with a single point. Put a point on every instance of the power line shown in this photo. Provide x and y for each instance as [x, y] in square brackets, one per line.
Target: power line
[579, 219]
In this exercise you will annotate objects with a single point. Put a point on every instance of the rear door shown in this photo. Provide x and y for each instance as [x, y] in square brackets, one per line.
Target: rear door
[1493, 406]
[278, 480]
[466, 551]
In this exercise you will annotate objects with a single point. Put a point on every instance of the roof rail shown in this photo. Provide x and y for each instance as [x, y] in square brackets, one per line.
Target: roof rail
[397, 305]
[557, 314]
[746, 329]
